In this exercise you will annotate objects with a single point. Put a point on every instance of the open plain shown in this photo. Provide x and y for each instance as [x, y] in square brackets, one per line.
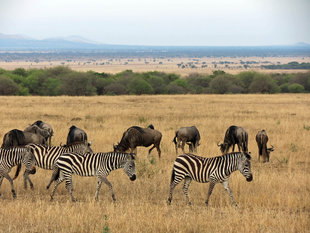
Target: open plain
[178, 65]
[277, 200]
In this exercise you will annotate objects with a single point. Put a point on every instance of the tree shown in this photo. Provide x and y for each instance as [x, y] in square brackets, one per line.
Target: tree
[139, 86]
[7, 86]
[77, 84]
[262, 83]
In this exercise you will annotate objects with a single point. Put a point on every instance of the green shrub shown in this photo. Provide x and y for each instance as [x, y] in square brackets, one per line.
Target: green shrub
[296, 88]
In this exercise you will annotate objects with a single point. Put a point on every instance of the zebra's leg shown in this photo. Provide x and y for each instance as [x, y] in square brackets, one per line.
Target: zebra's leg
[105, 180]
[187, 182]
[53, 177]
[209, 192]
[57, 182]
[98, 188]
[6, 175]
[174, 182]
[226, 187]
[69, 186]
[26, 178]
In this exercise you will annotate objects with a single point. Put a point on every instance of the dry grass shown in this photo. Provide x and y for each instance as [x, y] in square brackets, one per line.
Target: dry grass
[277, 200]
[168, 65]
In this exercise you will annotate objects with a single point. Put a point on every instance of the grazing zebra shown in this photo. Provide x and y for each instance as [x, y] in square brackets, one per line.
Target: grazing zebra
[45, 156]
[97, 164]
[214, 170]
[12, 157]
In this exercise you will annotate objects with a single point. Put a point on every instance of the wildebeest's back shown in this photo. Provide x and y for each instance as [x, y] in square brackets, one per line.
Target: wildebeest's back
[14, 137]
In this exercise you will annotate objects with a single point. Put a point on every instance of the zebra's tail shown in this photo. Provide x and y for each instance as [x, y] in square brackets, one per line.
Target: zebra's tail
[172, 176]
[17, 171]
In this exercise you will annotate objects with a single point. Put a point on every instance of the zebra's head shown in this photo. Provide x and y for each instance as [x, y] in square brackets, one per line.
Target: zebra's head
[29, 160]
[84, 147]
[244, 165]
[129, 167]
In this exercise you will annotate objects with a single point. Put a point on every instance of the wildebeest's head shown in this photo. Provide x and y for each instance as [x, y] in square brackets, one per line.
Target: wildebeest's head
[223, 146]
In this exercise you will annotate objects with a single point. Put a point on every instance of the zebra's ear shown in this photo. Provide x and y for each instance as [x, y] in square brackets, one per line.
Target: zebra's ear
[133, 156]
[248, 155]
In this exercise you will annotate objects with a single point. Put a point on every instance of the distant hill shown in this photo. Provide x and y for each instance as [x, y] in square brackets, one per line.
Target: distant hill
[78, 44]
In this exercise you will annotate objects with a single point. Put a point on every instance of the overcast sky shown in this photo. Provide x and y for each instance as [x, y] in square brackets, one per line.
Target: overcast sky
[161, 22]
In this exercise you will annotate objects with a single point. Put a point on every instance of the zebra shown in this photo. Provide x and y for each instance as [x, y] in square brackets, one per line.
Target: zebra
[97, 164]
[214, 170]
[45, 156]
[12, 157]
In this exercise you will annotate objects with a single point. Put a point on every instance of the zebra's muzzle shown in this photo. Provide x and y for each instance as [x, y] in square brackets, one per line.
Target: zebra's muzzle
[250, 178]
[133, 177]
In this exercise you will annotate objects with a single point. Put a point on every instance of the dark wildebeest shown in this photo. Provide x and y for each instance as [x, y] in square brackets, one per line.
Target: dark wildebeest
[137, 136]
[263, 151]
[235, 135]
[16, 137]
[76, 135]
[13, 138]
[188, 135]
[48, 127]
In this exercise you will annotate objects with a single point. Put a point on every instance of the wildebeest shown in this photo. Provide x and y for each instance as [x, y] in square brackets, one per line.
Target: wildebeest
[188, 135]
[48, 127]
[235, 135]
[137, 136]
[13, 138]
[76, 135]
[16, 137]
[263, 151]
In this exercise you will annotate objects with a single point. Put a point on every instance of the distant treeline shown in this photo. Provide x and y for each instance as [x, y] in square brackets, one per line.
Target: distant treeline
[289, 66]
[62, 80]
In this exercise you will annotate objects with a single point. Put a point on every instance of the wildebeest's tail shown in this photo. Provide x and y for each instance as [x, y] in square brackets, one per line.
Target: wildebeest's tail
[175, 137]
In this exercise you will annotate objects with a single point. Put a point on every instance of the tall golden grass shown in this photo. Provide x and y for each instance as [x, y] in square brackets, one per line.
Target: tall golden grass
[277, 200]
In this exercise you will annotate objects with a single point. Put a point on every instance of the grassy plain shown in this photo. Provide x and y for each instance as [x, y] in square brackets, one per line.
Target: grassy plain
[204, 65]
[277, 200]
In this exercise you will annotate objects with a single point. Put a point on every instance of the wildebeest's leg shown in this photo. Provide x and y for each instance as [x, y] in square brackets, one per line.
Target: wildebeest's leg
[1, 179]
[239, 147]
[6, 175]
[57, 182]
[182, 146]
[105, 180]
[226, 187]
[210, 192]
[187, 182]
[158, 149]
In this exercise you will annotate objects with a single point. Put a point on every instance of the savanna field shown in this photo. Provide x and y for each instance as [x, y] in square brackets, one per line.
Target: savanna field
[277, 200]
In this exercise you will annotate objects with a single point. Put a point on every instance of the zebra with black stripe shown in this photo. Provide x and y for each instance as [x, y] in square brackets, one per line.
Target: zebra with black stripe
[214, 170]
[45, 156]
[97, 164]
[12, 157]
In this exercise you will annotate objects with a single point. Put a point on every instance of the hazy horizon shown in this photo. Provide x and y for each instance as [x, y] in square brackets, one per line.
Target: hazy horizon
[161, 23]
